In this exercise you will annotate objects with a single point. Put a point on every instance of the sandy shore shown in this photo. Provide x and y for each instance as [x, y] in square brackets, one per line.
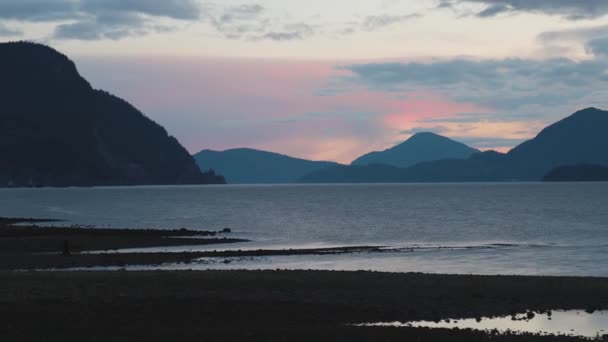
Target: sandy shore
[244, 305]
[272, 305]
[33, 246]
[29, 244]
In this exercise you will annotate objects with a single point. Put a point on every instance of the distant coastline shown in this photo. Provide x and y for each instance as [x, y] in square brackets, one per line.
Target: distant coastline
[578, 173]
[430, 158]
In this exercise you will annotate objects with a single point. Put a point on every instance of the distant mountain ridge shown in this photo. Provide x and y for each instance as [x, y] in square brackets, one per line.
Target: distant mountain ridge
[421, 147]
[56, 130]
[250, 166]
[578, 139]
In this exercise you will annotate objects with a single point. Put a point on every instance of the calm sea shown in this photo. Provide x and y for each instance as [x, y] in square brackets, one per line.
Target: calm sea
[548, 229]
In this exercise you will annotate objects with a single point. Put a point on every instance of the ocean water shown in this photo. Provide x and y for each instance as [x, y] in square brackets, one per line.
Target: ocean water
[507, 228]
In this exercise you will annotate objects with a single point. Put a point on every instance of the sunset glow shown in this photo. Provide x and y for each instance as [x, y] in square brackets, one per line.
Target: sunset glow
[336, 80]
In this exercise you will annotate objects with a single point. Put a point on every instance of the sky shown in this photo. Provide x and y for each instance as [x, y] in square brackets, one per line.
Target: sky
[332, 80]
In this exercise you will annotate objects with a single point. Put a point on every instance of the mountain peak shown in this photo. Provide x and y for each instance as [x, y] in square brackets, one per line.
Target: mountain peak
[31, 45]
[37, 67]
[421, 147]
[422, 136]
[429, 134]
[590, 112]
[425, 135]
[590, 109]
[35, 55]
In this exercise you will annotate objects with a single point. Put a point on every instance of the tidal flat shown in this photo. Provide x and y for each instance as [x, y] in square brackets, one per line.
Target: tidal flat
[275, 305]
[271, 305]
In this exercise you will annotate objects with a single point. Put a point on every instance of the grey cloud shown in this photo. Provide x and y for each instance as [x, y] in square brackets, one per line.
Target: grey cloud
[90, 30]
[593, 39]
[581, 34]
[569, 9]
[521, 87]
[291, 32]
[242, 12]
[176, 9]
[6, 31]
[239, 22]
[54, 10]
[598, 46]
[280, 36]
[459, 118]
[434, 129]
[372, 23]
[493, 10]
[105, 26]
[488, 142]
[39, 10]
[251, 22]
[100, 19]
[377, 22]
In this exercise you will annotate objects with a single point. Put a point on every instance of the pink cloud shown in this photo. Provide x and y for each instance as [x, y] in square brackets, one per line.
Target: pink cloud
[273, 105]
[423, 105]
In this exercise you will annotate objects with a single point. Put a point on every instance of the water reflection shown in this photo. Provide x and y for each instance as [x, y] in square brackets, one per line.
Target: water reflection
[573, 323]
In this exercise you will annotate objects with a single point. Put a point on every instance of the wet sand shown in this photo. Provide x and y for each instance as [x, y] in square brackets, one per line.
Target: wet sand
[29, 244]
[272, 305]
[245, 305]
[33, 246]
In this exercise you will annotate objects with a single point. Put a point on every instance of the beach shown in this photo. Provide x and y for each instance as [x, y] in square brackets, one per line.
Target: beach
[273, 305]
[267, 305]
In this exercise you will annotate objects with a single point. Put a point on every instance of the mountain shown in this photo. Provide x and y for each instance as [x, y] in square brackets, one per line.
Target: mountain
[578, 173]
[56, 130]
[421, 147]
[376, 173]
[578, 139]
[248, 166]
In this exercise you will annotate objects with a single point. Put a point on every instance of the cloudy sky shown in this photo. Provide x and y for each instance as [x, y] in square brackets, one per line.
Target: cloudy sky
[333, 79]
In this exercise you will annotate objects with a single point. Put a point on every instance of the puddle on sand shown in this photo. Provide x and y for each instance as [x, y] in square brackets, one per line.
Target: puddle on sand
[571, 323]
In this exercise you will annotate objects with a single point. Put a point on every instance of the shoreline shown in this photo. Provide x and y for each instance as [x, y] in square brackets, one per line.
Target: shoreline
[277, 305]
[26, 244]
[54, 304]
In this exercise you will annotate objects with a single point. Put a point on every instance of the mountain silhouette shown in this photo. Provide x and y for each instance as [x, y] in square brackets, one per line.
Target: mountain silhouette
[578, 173]
[375, 173]
[249, 166]
[578, 139]
[56, 130]
[581, 138]
[419, 148]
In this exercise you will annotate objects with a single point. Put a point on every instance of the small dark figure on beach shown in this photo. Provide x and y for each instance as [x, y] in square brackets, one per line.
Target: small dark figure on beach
[66, 248]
